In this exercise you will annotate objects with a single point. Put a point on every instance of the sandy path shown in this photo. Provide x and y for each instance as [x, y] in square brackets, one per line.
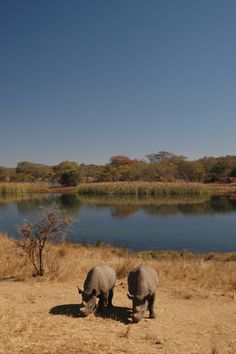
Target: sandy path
[185, 324]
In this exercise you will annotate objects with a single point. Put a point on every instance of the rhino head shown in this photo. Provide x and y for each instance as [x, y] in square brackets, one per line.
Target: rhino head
[88, 304]
[139, 307]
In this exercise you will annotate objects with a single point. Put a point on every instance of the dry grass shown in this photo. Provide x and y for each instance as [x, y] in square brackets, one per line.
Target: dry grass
[63, 261]
[40, 315]
[223, 188]
[144, 188]
[69, 262]
[22, 189]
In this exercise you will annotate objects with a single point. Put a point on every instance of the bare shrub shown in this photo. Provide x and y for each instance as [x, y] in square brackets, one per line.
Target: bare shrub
[48, 225]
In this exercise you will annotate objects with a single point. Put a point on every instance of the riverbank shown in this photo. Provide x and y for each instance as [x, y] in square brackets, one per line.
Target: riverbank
[177, 267]
[196, 299]
[141, 189]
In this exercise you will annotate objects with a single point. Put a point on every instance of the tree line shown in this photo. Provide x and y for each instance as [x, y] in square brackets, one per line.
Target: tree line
[162, 166]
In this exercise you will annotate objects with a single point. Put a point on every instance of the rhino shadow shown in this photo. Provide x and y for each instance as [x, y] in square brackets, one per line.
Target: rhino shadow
[71, 310]
[116, 313]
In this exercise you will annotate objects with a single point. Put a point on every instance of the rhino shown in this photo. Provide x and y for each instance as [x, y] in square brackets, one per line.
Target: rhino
[142, 285]
[99, 283]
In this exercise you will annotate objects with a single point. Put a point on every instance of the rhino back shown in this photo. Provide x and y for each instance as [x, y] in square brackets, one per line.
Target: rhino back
[142, 281]
[102, 278]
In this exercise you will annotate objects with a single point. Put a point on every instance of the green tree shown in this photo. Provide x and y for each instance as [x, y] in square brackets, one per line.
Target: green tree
[35, 170]
[70, 178]
[120, 160]
[218, 171]
[22, 177]
[65, 166]
[233, 172]
[4, 174]
[160, 156]
[67, 173]
[190, 171]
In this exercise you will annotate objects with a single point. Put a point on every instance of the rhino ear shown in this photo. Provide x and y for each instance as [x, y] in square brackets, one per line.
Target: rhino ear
[94, 292]
[80, 290]
[130, 296]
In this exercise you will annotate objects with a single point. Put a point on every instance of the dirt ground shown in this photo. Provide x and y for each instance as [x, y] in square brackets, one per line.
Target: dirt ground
[43, 317]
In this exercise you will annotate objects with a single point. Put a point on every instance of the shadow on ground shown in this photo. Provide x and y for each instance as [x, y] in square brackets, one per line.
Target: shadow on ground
[72, 310]
[115, 313]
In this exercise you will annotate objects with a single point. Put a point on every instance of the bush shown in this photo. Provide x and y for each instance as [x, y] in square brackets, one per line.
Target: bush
[70, 178]
[49, 225]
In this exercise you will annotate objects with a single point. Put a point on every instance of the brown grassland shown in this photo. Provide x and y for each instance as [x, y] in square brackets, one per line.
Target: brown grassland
[196, 303]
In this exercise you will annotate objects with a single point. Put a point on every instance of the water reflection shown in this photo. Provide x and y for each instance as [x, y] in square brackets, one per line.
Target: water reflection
[123, 207]
[69, 202]
[32, 204]
[196, 223]
[123, 211]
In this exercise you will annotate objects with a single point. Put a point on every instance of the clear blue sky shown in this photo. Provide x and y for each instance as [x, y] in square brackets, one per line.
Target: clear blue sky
[86, 80]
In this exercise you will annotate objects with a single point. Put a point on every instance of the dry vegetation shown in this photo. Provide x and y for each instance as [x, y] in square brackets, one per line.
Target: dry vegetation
[153, 189]
[22, 189]
[148, 189]
[195, 307]
[144, 188]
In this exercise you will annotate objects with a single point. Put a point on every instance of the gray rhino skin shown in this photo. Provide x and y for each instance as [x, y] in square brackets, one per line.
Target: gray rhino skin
[142, 285]
[99, 283]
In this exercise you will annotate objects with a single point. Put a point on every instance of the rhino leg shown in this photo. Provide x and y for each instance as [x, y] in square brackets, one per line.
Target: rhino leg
[151, 301]
[103, 302]
[110, 296]
[100, 303]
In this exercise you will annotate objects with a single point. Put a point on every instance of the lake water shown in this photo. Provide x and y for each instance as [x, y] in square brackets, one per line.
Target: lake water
[140, 224]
